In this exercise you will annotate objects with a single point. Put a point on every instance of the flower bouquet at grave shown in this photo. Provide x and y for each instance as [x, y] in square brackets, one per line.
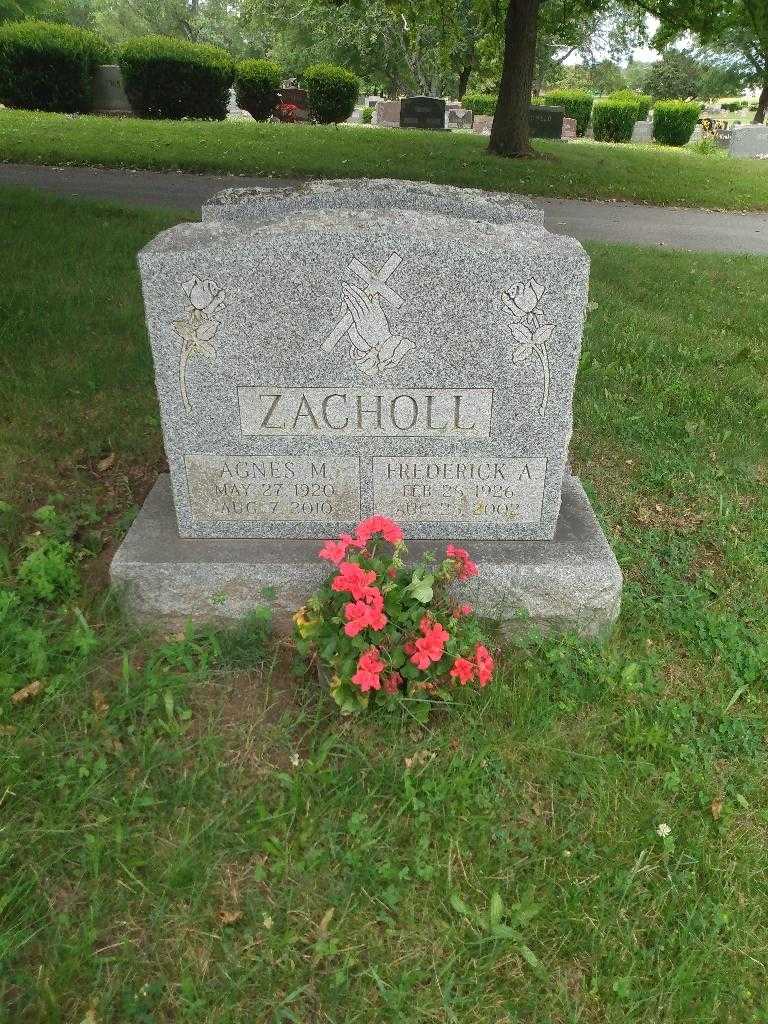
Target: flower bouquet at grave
[380, 630]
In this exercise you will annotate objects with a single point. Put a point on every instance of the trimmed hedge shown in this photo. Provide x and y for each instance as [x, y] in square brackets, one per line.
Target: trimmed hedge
[641, 101]
[256, 87]
[577, 104]
[613, 120]
[172, 78]
[480, 102]
[46, 66]
[331, 92]
[674, 121]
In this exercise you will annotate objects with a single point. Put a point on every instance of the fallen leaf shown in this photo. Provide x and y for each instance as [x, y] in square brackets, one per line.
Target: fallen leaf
[716, 808]
[31, 690]
[228, 917]
[421, 757]
[100, 705]
[322, 928]
[106, 463]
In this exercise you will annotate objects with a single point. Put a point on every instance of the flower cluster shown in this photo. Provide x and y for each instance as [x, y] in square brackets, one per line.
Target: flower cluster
[379, 628]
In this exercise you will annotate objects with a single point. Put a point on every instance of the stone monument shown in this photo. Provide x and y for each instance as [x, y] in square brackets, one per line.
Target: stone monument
[387, 113]
[423, 112]
[642, 132]
[750, 140]
[109, 96]
[319, 363]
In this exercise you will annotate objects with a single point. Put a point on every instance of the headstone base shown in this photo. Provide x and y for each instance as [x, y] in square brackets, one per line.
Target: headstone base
[569, 584]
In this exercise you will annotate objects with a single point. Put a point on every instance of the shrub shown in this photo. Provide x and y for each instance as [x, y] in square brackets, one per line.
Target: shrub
[641, 101]
[613, 120]
[674, 121]
[480, 103]
[172, 78]
[366, 115]
[256, 86]
[332, 92]
[577, 104]
[44, 66]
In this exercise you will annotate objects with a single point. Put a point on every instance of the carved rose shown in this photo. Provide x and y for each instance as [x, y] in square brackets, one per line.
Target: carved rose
[204, 295]
[523, 298]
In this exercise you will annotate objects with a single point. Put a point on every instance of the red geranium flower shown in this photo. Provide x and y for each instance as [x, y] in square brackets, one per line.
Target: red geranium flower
[379, 524]
[353, 579]
[467, 567]
[462, 670]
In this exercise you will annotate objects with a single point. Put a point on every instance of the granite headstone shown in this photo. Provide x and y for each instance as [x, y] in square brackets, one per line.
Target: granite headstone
[750, 140]
[545, 122]
[243, 204]
[315, 366]
[423, 112]
[387, 113]
[109, 96]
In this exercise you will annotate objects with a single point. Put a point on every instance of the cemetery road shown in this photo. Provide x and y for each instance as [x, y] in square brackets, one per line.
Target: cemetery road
[665, 227]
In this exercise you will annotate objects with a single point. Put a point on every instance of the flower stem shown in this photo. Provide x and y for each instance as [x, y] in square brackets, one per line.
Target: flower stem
[541, 352]
[184, 359]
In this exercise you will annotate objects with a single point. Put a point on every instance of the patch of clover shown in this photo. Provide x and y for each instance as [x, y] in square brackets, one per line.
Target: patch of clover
[529, 329]
[198, 328]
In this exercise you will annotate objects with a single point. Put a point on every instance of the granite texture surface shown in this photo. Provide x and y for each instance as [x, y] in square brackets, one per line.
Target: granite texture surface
[278, 347]
[750, 140]
[371, 194]
[571, 583]
[387, 113]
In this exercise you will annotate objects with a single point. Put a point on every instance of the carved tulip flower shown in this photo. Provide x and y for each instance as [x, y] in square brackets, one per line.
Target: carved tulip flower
[523, 299]
[206, 296]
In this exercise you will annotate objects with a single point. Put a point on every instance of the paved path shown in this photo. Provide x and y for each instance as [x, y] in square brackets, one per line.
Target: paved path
[668, 227]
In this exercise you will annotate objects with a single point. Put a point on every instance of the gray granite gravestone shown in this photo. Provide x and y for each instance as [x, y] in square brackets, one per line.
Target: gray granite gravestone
[244, 204]
[459, 119]
[750, 140]
[387, 113]
[109, 96]
[423, 112]
[642, 132]
[319, 366]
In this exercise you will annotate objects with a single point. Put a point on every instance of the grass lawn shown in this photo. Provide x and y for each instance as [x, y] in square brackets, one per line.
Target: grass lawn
[586, 170]
[191, 835]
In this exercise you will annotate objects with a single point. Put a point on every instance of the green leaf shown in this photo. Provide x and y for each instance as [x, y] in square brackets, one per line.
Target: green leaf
[495, 910]
[459, 905]
[420, 587]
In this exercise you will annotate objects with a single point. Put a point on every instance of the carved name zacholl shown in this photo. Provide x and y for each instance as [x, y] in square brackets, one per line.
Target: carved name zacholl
[331, 412]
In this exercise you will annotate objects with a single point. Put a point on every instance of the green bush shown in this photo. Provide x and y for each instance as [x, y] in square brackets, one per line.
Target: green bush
[480, 102]
[172, 78]
[256, 86]
[332, 92]
[733, 105]
[366, 115]
[641, 101]
[45, 66]
[577, 104]
[613, 120]
[674, 121]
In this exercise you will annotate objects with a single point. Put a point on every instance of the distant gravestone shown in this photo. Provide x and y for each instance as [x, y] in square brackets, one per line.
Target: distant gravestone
[371, 101]
[387, 113]
[642, 131]
[569, 132]
[315, 366]
[109, 96]
[423, 112]
[750, 140]
[545, 122]
[459, 119]
[482, 124]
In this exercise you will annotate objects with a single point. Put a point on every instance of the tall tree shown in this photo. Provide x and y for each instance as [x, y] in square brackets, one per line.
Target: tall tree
[736, 31]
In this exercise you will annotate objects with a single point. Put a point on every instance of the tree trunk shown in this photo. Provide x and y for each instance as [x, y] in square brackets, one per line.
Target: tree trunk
[762, 105]
[509, 135]
[464, 74]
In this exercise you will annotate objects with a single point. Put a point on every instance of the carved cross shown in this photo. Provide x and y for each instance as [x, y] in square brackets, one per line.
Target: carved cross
[375, 284]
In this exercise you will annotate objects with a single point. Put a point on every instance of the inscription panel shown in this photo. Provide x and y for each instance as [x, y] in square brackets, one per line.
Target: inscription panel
[473, 490]
[334, 412]
[274, 488]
